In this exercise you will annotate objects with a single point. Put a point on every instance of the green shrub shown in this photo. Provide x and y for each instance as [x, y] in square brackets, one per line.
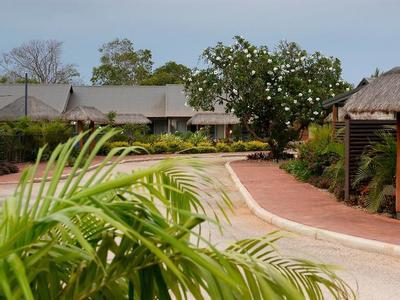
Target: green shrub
[198, 137]
[204, 149]
[185, 147]
[146, 146]
[256, 146]
[238, 146]
[160, 147]
[298, 168]
[223, 147]
[205, 144]
[8, 168]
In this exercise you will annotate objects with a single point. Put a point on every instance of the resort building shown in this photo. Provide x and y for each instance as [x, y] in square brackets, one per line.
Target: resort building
[164, 108]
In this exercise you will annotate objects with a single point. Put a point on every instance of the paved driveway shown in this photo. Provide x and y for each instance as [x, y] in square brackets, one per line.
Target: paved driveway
[377, 276]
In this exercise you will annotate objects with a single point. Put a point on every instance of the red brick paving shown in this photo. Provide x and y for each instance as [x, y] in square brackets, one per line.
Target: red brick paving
[283, 195]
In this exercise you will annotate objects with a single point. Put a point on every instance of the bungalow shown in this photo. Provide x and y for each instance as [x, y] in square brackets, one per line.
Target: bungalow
[162, 107]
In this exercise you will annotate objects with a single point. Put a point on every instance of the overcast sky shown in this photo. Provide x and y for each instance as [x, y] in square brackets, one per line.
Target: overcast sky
[364, 34]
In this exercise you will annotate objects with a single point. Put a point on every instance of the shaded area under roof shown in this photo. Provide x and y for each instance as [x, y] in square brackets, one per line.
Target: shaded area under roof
[37, 110]
[381, 95]
[84, 114]
[121, 119]
[213, 119]
[341, 99]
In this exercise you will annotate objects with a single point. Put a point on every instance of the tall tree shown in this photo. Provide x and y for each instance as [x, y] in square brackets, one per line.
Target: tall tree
[274, 93]
[41, 60]
[121, 64]
[169, 73]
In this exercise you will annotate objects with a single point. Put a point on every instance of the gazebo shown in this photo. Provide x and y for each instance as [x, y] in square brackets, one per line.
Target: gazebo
[122, 119]
[85, 114]
[382, 96]
[214, 119]
[36, 110]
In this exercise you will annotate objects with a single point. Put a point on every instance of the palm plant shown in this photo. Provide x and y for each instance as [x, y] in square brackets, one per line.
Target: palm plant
[378, 168]
[96, 235]
[335, 172]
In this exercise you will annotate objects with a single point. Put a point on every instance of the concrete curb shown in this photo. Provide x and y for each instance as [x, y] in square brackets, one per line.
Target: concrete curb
[141, 159]
[313, 232]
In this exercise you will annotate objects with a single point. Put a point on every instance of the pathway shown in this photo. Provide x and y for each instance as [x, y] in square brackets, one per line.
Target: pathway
[377, 275]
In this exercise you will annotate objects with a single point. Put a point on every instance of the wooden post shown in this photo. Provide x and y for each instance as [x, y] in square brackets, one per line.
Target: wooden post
[91, 126]
[335, 115]
[398, 166]
[79, 126]
[347, 160]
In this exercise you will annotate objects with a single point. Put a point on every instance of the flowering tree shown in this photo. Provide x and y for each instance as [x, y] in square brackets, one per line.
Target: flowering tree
[274, 93]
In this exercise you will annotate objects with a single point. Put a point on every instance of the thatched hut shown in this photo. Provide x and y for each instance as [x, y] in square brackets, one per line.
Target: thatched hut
[37, 110]
[85, 114]
[213, 119]
[121, 119]
[381, 96]
[220, 122]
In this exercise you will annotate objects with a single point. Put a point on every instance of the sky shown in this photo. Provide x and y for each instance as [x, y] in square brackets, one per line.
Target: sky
[364, 34]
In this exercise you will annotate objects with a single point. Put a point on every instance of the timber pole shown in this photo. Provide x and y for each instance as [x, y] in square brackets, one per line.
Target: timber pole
[398, 165]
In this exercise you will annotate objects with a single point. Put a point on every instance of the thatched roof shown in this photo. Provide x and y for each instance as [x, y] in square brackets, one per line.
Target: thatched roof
[213, 119]
[85, 113]
[131, 119]
[37, 110]
[362, 116]
[381, 95]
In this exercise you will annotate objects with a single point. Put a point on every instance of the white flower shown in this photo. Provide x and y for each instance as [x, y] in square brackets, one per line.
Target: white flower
[270, 73]
[248, 55]
[309, 80]
[330, 69]
[330, 85]
[280, 78]
[300, 94]
[288, 66]
[347, 89]
[250, 61]
[269, 98]
[245, 51]
[275, 69]
[287, 108]
[292, 70]
[337, 83]
[269, 60]
[279, 89]
[295, 101]
[312, 119]
[333, 95]
[232, 50]
[184, 78]
[317, 99]
[296, 60]
[253, 72]
[190, 79]
[218, 58]
[267, 90]
[265, 52]
[235, 91]
[268, 83]
[215, 72]
[232, 110]
[204, 81]
[200, 89]
[315, 113]
[230, 57]
[309, 90]
[309, 99]
[255, 51]
[214, 83]
[288, 123]
[186, 104]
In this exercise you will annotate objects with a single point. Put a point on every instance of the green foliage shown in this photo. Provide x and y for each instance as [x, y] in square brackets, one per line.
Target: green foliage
[100, 236]
[111, 115]
[169, 73]
[298, 168]
[271, 92]
[121, 64]
[144, 148]
[378, 170]
[160, 147]
[223, 147]
[256, 146]
[238, 146]
[23, 138]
